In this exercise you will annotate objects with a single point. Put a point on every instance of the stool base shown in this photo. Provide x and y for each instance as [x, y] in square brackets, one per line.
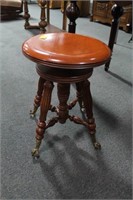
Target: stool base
[43, 100]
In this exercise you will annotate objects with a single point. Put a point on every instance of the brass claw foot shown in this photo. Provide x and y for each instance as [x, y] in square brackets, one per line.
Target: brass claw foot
[97, 145]
[32, 115]
[33, 112]
[35, 153]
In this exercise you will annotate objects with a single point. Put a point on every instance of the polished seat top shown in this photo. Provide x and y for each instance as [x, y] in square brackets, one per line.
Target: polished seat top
[66, 50]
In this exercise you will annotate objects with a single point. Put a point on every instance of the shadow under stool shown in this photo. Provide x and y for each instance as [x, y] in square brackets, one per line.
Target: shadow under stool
[65, 59]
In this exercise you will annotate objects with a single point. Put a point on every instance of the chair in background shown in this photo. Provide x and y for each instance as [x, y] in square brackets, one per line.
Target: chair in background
[10, 8]
[44, 16]
[45, 6]
[84, 7]
[117, 12]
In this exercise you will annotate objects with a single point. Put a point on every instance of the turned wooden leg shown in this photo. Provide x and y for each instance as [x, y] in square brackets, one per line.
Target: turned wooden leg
[38, 97]
[26, 14]
[63, 95]
[42, 23]
[44, 107]
[87, 100]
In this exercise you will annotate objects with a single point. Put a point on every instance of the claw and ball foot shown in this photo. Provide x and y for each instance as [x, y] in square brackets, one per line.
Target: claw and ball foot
[97, 145]
[35, 151]
[33, 112]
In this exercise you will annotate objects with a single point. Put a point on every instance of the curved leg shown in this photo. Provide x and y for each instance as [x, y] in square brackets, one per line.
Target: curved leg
[44, 107]
[87, 100]
[38, 97]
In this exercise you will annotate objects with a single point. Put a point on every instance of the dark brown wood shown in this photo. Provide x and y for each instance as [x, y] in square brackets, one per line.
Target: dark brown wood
[43, 21]
[44, 24]
[10, 12]
[27, 17]
[72, 13]
[102, 12]
[117, 12]
[48, 12]
[64, 15]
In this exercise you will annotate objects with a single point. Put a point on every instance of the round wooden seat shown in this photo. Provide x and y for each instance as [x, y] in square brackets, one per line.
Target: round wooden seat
[64, 58]
[66, 50]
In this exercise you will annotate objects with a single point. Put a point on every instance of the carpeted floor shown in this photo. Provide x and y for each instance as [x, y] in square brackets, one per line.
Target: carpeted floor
[69, 167]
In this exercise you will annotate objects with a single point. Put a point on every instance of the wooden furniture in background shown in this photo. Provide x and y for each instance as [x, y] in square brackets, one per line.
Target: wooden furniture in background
[84, 7]
[102, 12]
[64, 58]
[45, 10]
[54, 4]
[44, 16]
[71, 12]
[117, 12]
[10, 9]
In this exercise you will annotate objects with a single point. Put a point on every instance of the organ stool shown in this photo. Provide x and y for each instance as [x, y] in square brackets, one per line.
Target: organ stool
[64, 58]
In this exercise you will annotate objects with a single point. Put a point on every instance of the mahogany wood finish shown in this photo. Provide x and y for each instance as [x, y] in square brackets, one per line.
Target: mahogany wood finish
[58, 51]
[71, 60]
